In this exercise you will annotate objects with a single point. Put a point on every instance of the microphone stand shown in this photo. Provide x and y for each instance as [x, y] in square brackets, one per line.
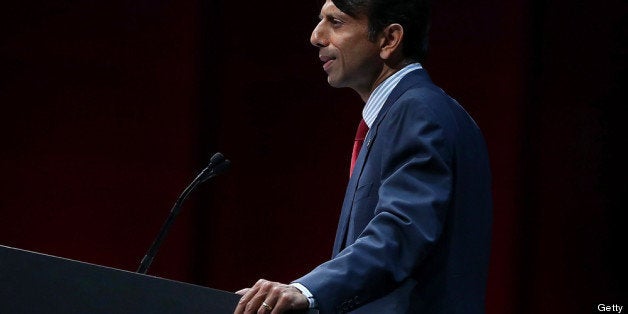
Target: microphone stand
[217, 165]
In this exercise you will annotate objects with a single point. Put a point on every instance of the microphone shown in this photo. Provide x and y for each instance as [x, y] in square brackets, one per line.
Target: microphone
[217, 165]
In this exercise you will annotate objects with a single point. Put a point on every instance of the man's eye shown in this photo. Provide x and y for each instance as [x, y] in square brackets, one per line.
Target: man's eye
[335, 22]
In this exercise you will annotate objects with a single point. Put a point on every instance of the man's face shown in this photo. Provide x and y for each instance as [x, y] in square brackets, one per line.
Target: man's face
[348, 57]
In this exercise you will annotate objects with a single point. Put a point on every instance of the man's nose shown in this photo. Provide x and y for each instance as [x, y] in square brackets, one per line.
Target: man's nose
[317, 38]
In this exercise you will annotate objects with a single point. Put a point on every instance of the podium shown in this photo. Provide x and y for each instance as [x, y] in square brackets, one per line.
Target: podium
[34, 283]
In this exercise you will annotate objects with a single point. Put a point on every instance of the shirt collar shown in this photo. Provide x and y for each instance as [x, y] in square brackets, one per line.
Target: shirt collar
[378, 97]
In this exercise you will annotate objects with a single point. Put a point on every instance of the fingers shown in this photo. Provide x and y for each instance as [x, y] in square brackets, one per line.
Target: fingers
[271, 300]
[256, 302]
[270, 297]
[242, 291]
[278, 297]
[253, 297]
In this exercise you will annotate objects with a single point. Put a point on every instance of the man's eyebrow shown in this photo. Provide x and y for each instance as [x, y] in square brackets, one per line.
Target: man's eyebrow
[328, 16]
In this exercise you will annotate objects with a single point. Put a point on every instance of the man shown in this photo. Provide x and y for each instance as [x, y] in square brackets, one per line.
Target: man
[415, 226]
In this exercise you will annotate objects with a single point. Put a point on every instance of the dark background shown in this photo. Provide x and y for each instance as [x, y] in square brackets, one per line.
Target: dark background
[108, 109]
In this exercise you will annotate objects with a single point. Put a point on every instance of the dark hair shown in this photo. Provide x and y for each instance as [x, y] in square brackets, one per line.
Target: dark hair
[412, 15]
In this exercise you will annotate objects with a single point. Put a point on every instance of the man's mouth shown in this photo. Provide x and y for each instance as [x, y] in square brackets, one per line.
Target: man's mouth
[327, 61]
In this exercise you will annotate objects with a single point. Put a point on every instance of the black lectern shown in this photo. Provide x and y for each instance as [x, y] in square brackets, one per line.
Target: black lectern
[33, 283]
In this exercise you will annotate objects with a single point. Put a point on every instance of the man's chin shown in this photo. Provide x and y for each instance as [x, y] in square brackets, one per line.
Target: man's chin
[332, 82]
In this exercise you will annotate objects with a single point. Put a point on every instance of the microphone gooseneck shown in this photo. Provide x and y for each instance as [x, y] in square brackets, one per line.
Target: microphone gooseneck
[217, 165]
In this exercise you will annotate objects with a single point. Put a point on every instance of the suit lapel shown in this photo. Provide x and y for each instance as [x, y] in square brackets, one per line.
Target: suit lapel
[411, 79]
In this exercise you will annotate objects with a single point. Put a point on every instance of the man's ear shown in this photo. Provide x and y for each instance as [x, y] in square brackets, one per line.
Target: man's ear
[391, 41]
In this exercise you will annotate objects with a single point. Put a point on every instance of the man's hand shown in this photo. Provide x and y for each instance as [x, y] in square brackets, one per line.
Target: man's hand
[270, 297]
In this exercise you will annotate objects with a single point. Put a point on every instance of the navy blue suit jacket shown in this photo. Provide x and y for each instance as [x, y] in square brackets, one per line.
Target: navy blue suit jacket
[415, 227]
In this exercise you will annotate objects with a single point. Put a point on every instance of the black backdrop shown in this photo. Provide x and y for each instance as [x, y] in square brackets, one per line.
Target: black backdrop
[108, 110]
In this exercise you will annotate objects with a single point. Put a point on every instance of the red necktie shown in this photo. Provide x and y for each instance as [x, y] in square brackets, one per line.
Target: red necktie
[357, 144]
